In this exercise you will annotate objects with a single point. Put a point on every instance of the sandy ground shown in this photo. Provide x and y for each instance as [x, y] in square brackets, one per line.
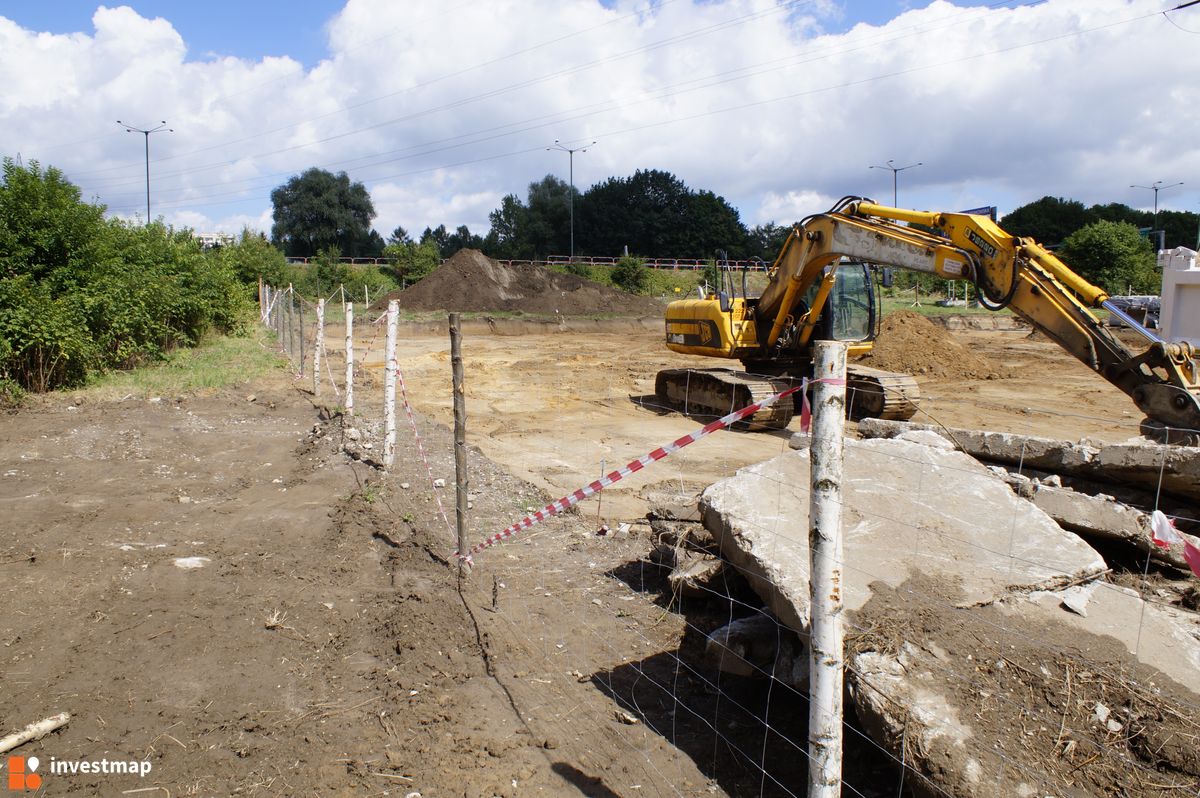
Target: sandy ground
[552, 408]
[320, 643]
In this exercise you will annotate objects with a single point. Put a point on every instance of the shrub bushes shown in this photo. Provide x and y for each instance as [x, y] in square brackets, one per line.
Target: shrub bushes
[79, 293]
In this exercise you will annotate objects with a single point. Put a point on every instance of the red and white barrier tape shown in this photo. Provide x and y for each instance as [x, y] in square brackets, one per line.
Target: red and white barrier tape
[556, 507]
[412, 422]
[1164, 533]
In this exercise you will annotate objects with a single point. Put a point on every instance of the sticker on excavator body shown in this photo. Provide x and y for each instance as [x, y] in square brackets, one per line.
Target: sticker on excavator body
[701, 332]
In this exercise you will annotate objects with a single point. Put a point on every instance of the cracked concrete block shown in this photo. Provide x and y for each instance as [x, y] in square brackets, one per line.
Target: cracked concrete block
[1146, 464]
[1159, 635]
[757, 646]
[1101, 516]
[697, 575]
[908, 508]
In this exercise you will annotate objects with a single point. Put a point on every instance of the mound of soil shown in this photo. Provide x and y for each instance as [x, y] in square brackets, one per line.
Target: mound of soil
[909, 343]
[472, 282]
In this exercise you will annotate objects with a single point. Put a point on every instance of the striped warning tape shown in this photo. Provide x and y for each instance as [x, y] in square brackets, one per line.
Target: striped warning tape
[412, 421]
[556, 507]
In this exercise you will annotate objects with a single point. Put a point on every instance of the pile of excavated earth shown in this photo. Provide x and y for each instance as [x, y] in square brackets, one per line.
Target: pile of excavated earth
[990, 644]
[909, 343]
[472, 282]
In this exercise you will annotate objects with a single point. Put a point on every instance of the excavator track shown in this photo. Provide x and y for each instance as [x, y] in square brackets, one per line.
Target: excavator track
[874, 393]
[717, 392]
[712, 393]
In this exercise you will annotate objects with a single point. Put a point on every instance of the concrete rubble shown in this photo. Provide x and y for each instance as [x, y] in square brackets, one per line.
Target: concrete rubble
[916, 507]
[1176, 469]
[908, 508]
[1099, 516]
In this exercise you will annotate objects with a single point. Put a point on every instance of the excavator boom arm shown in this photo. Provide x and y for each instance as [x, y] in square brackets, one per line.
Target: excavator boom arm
[1008, 272]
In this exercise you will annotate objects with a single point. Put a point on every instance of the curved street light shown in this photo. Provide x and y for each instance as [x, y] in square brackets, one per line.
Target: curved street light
[891, 164]
[570, 151]
[1156, 187]
[161, 128]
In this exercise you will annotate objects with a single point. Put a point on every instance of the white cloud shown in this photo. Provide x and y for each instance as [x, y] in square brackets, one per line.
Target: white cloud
[441, 109]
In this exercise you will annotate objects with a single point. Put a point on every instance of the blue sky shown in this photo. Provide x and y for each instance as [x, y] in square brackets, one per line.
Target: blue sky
[442, 108]
[246, 29]
[254, 28]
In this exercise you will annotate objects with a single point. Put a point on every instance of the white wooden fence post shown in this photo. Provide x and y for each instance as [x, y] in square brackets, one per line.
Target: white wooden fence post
[825, 572]
[389, 386]
[318, 347]
[350, 358]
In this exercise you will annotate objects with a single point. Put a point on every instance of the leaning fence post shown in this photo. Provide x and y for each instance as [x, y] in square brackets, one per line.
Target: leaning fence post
[460, 436]
[389, 386]
[300, 325]
[825, 571]
[350, 358]
[318, 347]
[289, 319]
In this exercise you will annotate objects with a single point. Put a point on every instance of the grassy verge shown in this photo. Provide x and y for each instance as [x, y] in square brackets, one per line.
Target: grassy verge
[219, 362]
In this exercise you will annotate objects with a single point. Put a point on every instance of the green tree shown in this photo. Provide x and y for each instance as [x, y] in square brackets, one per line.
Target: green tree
[45, 228]
[766, 240]
[317, 210]
[655, 214]
[1048, 220]
[410, 262]
[79, 293]
[631, 274]
[252, 257]
[1114, 256]
[507, 236]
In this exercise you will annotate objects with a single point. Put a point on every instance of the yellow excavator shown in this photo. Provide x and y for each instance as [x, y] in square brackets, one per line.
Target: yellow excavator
[820, 287]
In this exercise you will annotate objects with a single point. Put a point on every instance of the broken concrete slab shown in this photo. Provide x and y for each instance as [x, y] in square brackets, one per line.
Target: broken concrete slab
[1099, 516]
[908, 508]
[697, 575]
[1156, 634]
[1014, 698]
[672, 505]
[1175, 468]
[758, 646]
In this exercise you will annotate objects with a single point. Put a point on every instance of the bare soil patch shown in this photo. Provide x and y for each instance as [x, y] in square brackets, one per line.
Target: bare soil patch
[472, 282]
[324, 647]
[1092, 720]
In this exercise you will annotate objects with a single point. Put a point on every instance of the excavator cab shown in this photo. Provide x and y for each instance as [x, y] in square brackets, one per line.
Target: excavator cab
[850, 313]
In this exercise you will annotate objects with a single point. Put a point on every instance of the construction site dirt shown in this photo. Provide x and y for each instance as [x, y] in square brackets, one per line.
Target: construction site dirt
[210, 583]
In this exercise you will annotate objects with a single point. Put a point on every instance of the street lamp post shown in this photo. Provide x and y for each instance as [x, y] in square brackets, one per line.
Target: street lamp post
[571, 159]
[891, 164]
[162, 128]
[1156, 187]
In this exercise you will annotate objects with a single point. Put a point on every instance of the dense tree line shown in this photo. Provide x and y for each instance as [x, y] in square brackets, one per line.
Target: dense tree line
[1050, 220]
[1109, 245]
[653, 213]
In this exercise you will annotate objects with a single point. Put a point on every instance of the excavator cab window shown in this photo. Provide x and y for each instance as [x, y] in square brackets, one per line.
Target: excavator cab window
[852, 304]
[849, 313]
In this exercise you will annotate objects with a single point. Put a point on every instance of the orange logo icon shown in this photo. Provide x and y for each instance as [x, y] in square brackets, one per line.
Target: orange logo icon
[21, 773]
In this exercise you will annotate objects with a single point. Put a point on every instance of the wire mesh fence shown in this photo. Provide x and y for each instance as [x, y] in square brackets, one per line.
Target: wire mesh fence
[989, 650]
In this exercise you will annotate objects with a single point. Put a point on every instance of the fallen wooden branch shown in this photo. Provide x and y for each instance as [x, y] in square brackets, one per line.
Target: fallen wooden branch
[34, 731]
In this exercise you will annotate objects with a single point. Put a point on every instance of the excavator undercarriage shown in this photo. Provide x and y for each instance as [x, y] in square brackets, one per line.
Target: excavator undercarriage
[712, 393]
